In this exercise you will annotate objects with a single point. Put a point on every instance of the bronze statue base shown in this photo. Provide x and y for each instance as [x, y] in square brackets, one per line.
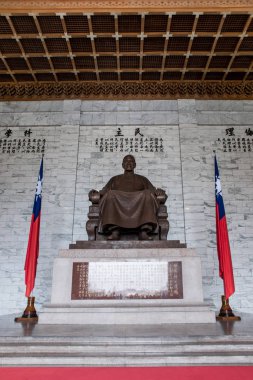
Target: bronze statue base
[226, 313]
[126, 244]
[29, 314]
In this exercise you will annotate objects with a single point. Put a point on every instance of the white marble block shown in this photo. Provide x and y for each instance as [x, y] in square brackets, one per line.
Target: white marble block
[127, 286]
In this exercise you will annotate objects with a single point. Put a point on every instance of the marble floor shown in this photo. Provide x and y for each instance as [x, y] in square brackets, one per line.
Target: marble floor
[243, 328]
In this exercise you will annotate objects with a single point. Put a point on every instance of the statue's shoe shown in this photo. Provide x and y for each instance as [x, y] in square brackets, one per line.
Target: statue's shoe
[115, 235]
[143, 235]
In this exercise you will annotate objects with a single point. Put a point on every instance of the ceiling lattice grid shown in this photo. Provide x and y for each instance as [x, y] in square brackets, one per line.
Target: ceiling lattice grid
[126, 47]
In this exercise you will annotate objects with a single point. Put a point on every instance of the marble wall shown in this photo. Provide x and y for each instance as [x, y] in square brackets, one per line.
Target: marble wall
[191, 130]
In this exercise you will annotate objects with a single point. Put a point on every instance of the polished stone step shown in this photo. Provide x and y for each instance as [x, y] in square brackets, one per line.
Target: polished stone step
[127, 312]
[119, 351]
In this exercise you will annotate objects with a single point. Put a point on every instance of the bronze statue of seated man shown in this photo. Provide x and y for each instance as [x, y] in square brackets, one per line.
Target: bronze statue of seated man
[128, 201]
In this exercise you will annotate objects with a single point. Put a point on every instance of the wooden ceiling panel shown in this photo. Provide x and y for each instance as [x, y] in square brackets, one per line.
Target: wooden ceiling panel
[208, 23]
[151, 75]
[193, 75]
[225, 44]
[24, 77]
[126, 46]
[182, 23]
[87, 76]
[213, 75]
[107, 62]
[4, 26]
[129, 23]
[178, 44]
[197, 61]
[81, 45]
[66, 77]
[153, 44]
[243, 61]
[56, 45]
[6, 78]
[39, 63]
[85, 62]
[105, 45]
[62, 63]
[172, 75]
[110, 76]
[235, 75]
[17, 63]
[129, 44]
[45, 77]
[32, 45]
[76, 24]
[234, 23]
[130, 62]
[246, 44]
[175, 61]
[132, 76]
[202, 44]
[155, 23]
[50, 24]
[24, 24]
[2, 65]
[152, 61]
[103, 24]
[9, 46]
[220, 61]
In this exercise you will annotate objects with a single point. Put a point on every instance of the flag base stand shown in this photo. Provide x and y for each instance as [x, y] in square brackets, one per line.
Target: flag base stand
[29, 314]
[226, 313]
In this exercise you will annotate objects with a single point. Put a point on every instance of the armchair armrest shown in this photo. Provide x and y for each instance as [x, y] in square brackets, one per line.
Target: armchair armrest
[94, 196]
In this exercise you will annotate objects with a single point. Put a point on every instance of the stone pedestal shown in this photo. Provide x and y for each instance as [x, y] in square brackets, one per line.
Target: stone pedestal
[121, 285]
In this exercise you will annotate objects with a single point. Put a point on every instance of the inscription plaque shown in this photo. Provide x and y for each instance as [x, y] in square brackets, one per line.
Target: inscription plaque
[175, 282]
[122, 280]
[80, 281]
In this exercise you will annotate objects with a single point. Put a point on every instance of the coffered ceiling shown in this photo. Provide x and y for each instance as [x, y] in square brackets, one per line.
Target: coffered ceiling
[48, 53]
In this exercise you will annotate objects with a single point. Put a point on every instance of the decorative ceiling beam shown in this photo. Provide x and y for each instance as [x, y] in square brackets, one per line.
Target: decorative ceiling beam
[128, 90]
[46, 6]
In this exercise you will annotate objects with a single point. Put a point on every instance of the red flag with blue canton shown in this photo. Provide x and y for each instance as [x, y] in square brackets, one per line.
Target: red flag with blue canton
[32, 252]
[223, 247]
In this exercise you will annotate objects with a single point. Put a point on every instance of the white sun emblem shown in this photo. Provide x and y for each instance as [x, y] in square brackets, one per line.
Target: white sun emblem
[39, 188]
[218, 186]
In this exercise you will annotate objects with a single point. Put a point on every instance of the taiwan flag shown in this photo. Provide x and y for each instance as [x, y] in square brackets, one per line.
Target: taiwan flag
[32, 252]
[223, 248]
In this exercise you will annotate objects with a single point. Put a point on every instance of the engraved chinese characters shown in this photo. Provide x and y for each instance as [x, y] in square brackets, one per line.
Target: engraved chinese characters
[237, 143]
[127, 280]
[136, 142]
[11, 143]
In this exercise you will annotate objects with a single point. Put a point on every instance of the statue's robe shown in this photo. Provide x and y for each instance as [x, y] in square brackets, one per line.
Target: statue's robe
[128, 201]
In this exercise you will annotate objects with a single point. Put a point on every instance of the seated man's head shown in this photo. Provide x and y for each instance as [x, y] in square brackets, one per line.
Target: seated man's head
[129, 163]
